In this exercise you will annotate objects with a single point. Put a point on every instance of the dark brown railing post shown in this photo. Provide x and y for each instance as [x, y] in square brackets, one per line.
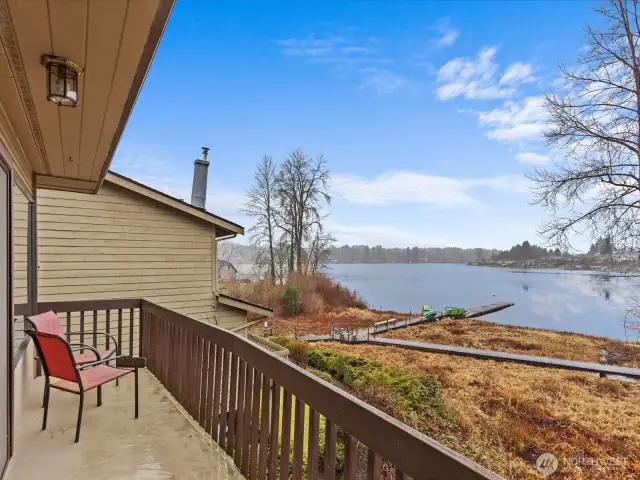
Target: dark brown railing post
[215, 421]
[255, 425]
[329, 450]
[298, 439]
[285, 446]
[374, 465]
[119, 331]
[246, 424]
[131, 332]
[275, 430]
[95, 328]
[350, 457]
[312, 449]
[264, 428]
[82, 329]
[107, 328]
[231, 416]
[141, 321]
[239, 421]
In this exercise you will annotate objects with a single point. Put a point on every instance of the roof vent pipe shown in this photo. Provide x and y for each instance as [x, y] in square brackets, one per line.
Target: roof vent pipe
[200, 173]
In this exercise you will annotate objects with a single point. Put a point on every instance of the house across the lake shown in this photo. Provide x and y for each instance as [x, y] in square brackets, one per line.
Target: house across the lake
[227, 273]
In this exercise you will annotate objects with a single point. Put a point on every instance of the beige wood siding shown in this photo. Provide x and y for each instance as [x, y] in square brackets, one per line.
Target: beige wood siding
[118, 244]
[229, 317]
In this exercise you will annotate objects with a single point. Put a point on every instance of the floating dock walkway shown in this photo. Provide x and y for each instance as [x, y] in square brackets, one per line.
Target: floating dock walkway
[536, 361]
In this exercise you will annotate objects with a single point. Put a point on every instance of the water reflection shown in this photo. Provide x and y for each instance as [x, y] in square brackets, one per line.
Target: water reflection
[588, 299]
[555, 299]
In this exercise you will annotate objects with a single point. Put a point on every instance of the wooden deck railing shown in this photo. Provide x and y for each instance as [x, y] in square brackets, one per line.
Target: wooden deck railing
[276, 420]
[268, 414]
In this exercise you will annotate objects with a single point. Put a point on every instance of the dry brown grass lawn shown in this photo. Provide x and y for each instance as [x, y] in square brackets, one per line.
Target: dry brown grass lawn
[319, 323]
[529, 341]
[505, 415]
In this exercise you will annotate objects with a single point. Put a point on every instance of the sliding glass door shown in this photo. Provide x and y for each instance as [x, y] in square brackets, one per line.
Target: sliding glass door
[6, 330]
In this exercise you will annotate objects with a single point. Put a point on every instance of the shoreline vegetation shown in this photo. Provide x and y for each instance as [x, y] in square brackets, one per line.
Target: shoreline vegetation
[501, 415]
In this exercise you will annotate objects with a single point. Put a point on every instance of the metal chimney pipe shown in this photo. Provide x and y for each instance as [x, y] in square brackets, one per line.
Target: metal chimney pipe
[200, 173]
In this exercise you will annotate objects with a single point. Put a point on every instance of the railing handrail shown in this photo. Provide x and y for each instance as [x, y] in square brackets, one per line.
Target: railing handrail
[409, 450]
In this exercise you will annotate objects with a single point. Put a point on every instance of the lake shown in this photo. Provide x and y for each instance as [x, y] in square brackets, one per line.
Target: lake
[575, 301]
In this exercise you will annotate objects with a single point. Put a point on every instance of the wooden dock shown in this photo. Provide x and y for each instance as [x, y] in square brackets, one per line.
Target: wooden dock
[363, 334]
[487, 309]
[537, 361]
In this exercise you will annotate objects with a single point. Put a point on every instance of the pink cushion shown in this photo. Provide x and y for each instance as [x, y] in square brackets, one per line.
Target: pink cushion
[47, 323]
[92, 378]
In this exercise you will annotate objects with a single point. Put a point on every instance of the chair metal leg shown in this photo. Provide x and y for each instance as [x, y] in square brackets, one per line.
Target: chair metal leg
[44, 394]
[135, 373]
[45, 402]
[79, 416]
[100, 396]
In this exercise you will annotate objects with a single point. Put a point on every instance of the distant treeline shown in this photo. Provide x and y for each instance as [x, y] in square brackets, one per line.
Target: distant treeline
[378, 254]
[526, 251]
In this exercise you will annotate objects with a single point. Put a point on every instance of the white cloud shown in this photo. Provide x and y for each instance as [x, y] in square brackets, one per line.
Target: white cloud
[522, 121]
[477, 79]
[403, 187]
[516, 73]
[532, 158]
[347, 57]
[310, 46]
[384, 81]
[448, 37]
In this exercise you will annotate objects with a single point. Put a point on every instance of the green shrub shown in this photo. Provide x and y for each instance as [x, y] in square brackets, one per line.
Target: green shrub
[291, 299]
[360, 303]
[299, 353]
[412, 394]
[281, 340]
[323, 375]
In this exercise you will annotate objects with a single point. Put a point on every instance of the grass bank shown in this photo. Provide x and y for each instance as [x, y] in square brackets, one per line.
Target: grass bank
[504, 416]
[529, 341]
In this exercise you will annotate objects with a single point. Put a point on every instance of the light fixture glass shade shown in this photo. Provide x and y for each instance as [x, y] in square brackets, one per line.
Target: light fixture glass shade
[62, 83]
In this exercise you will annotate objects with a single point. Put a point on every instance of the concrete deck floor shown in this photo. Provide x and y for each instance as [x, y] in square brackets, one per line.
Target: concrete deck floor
[162, 443]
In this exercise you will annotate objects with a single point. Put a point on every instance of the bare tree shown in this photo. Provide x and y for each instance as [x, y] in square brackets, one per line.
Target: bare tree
[319, 250]
[228, 251]
[302, 186]
[261, 206]
[594, 190]
[282, 255]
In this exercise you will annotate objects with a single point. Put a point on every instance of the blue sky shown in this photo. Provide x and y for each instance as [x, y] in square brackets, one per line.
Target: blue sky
[427, 112]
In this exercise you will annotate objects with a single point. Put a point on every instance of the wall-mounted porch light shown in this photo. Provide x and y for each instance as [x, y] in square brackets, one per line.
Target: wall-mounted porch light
[62, 80]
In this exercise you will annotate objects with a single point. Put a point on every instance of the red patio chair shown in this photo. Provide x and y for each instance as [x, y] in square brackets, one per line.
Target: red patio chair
[48, 323]
[58, 363]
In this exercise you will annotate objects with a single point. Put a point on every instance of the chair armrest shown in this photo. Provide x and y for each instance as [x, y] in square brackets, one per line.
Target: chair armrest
[82, 346]
[107, 360]
[96, 333]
